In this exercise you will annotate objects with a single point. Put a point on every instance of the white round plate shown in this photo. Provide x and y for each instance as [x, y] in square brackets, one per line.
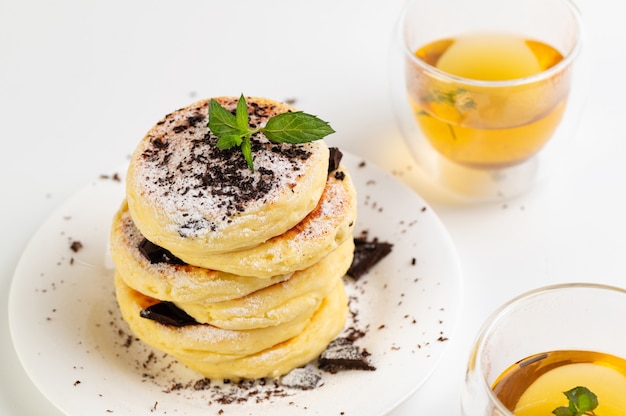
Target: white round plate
[75, 347]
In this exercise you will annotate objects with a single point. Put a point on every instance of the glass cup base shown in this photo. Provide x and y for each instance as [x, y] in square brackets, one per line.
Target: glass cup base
[466, 183]
[479, 184]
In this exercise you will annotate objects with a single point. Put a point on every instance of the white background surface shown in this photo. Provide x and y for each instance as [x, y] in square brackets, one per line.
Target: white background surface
[82, 81]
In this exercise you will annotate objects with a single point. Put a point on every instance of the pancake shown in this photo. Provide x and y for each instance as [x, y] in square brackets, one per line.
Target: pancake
[296, 352]
[219, 354]
[174, 282]
[329, 225]
[188, 196]
[279, 303]
[200, 337]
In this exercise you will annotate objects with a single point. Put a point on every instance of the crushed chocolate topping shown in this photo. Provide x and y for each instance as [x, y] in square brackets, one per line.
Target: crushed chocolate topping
[366, 255]
[181, 159]
[195, 119]
[167, 313]
[157, 254]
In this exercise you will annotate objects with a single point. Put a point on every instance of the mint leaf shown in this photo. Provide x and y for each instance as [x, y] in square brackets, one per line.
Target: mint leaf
[226, 142]
[222, 122]
[234, 129]
[241, 114]
[246, 149]
[563, 411]
[296, 127]
[582, 401]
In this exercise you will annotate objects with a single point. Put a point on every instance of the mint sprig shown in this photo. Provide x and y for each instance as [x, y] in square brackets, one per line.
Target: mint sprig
[582, 402]
[290, 127]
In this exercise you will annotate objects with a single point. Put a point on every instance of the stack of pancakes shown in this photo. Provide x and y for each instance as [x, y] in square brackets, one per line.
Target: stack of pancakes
[237, 273]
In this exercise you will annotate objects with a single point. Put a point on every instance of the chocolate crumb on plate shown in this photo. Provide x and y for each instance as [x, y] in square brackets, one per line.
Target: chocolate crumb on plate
[76, 246]
[342, 355]
[366, 255]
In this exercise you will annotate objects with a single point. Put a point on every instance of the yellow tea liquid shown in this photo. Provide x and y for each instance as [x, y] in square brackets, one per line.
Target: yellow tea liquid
[489, 127]
[535, 385]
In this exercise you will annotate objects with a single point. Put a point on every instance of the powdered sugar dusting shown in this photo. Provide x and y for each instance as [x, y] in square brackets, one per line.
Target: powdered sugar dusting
[203, 188]
[329, 214]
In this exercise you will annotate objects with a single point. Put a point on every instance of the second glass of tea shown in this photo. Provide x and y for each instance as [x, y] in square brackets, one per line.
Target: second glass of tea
[491, 86]
[557, 350]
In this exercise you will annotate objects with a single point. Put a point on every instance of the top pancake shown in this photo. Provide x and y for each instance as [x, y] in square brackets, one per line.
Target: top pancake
[188, 196]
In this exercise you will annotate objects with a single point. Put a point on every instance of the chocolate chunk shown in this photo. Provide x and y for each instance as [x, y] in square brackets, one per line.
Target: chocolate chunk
[167, 313]
[157, 254]
[366, 255]
[301, 378]
[334, 159]
[341, 355]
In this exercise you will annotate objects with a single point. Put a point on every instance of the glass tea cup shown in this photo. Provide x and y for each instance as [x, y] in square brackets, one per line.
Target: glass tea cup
[492, 89]
[547, 342]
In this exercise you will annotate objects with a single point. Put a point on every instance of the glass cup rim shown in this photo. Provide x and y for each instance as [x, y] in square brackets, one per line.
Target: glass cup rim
[494, 318]
[546, 74]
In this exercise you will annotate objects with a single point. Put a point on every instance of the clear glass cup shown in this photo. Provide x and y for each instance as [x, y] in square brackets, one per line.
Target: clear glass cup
[494, 94]
[566, 317]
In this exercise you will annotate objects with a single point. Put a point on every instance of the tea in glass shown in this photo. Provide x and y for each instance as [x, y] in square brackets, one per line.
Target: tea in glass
[492, 90]
[494, 126]
[547, 348]
[537, 384]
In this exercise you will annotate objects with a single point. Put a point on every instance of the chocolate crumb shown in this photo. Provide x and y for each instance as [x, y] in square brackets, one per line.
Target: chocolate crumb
[115, 177]
[128, 342]
[202, 384]
[76, 246]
